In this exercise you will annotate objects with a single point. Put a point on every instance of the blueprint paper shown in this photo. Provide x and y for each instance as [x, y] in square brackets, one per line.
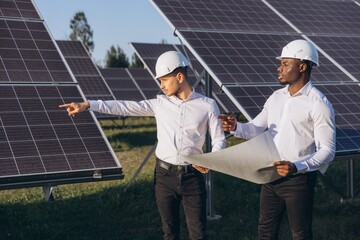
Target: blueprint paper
[251, 160]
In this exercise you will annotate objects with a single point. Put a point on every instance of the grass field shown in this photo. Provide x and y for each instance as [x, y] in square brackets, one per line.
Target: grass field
[103, 210]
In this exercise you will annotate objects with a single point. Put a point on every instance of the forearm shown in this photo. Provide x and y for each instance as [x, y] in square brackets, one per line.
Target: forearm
[123, 108]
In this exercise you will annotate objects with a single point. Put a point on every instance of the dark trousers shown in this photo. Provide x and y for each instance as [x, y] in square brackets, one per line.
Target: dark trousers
[173, 186]
[294, 194]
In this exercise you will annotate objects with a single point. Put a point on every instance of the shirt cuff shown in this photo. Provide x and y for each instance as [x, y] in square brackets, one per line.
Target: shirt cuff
[301, 166]
[94, 105]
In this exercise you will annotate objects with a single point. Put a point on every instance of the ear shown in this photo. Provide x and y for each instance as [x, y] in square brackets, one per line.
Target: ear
[303, 67]
[180, 77]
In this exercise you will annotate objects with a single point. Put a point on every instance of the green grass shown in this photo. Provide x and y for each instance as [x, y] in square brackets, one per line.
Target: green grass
[102, 210]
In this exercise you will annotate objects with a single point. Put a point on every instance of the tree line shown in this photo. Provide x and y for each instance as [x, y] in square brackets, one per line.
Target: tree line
[115, 56]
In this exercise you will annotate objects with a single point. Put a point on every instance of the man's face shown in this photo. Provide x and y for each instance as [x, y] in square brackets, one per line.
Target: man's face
[170, 84]
[289, 70]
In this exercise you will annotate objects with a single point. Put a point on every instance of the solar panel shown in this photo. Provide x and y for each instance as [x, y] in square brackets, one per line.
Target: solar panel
[18, 9]
[28, 54]
[86, 73]
[344, 50]
[145, 82]
[221, 15]
[121, 84]
[236, 58]
[149, 52]
[41, 144]
[84, 70]
[321, 17]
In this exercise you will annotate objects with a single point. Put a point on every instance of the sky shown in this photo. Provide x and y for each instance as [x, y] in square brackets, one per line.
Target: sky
[114, 22]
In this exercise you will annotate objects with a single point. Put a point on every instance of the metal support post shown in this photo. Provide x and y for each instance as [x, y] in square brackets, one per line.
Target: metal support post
[350, 179]
[209, 176]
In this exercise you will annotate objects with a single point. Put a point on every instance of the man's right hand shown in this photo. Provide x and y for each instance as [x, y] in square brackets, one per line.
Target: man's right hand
[74, 108]
[228, 123]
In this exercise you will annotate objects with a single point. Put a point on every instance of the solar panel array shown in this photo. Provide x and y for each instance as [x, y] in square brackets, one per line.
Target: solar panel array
[40, 144]
[149, 52]
[237, 42]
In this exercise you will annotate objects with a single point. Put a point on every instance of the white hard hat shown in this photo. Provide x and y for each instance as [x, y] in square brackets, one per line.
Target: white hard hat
[168, 62]
[300, 49]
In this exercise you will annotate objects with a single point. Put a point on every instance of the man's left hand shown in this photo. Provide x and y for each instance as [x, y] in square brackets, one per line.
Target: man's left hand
[200, 169]
[285, 168]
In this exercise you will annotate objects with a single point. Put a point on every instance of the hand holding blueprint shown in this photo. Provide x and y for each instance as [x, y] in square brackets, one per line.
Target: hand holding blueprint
[251, 160]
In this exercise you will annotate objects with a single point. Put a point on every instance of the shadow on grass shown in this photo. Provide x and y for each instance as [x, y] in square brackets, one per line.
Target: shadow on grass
[108, 214]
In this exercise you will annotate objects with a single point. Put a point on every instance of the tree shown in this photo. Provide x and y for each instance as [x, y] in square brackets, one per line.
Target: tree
[115, 57]
[136, 62]
[81, 30]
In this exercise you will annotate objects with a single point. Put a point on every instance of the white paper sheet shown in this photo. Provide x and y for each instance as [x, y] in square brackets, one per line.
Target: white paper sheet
[250, 160]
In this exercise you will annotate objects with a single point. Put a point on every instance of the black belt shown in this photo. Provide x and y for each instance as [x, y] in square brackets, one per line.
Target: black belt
[169, 166]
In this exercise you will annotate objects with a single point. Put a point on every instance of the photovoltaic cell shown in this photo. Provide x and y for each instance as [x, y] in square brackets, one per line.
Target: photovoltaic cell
[23, 9]
[84, 70]
[222, 15]
[344, 50]
[237, 58]
[145, 82]
[38, 139]
[121, 84]
[28, 54]
[321, 17]
[344, 98]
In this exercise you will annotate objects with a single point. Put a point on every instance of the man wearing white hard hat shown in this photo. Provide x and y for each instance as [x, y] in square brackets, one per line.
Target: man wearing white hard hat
[302, 123]
[183, 117]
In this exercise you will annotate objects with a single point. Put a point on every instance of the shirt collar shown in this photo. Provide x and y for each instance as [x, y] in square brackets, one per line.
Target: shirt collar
[303, 91]
[192, 95]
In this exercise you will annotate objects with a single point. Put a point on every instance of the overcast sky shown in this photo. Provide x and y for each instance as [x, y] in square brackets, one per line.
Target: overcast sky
[114, 22]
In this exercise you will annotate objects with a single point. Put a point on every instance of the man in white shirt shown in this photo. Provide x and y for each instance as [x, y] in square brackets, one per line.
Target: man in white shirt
[183, 117]
[302, 122]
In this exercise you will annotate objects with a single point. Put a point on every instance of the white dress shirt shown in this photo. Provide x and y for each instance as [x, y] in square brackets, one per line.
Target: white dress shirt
[181, 125]
[303, 127]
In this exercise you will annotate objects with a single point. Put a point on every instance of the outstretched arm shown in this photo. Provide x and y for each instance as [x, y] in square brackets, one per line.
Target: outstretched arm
[75, 108]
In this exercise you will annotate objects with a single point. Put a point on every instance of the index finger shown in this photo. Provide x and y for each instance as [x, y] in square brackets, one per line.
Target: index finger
[65, 105]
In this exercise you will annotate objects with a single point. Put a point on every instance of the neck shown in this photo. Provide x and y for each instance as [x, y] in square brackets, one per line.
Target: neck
[184, 92]
[297, 86]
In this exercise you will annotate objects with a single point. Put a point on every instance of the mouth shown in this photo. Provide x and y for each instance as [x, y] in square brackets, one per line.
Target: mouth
[280, 77]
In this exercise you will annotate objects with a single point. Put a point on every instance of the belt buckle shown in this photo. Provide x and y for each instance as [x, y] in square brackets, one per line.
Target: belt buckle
[183, 169]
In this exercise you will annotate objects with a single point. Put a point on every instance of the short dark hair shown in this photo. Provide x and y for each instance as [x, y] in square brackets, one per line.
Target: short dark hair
[309, 65]
[183, 70]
